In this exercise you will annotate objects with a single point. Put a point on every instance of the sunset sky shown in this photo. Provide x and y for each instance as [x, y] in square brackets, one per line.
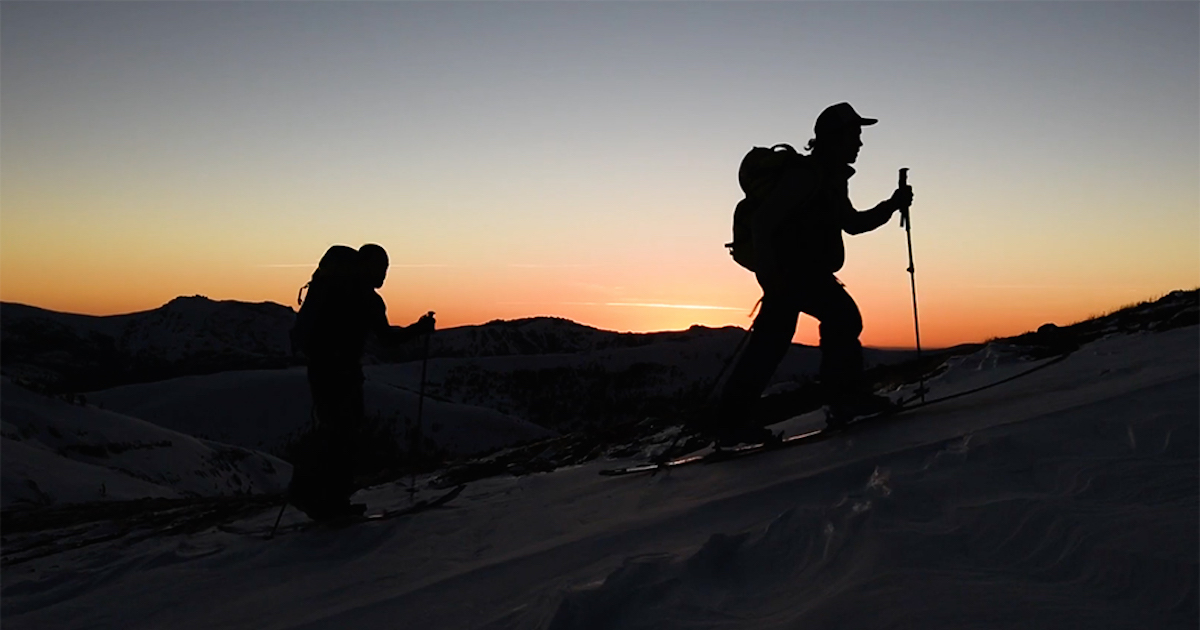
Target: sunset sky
[579, 159]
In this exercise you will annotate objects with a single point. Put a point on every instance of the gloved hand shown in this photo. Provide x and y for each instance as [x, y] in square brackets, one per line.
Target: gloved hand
[902, 198]
[425, 325]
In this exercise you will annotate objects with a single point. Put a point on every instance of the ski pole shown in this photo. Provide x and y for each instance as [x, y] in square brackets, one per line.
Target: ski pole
[277, 519]
[412, 487]
[906, 223]
[712, 387]
[287, 496]
[716, 381]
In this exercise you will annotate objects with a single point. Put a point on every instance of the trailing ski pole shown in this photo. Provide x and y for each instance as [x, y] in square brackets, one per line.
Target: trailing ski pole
[416, 448]
[746, 337]
[906, 223]
[287, 496]
[278, 518]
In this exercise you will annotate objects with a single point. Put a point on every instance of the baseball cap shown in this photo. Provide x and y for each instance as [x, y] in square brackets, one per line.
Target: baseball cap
[839, 116]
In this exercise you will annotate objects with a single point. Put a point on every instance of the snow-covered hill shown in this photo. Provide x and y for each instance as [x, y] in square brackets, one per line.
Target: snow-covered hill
[535, 335]
[617, 381]
[1063, 499]
[188, 335]
[264, 409]
[56, 452]
[474, 404]
[196, 335]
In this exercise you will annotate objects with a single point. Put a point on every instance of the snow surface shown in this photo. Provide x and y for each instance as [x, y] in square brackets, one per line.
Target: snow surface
[695, 356]
[57, 452]
[1065, 499]
[262, 409]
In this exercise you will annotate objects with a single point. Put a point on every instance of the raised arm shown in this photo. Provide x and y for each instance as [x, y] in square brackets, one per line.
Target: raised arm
[394, 335]
[856, 222]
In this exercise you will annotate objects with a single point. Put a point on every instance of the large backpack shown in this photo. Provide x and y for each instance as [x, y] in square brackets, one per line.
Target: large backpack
[759, 172]
[340, 266]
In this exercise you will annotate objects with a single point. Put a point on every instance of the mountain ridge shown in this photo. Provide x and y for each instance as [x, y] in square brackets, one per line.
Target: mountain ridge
[191, 335]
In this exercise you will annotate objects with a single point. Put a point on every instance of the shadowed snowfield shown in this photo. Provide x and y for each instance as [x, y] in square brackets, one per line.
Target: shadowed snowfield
[1065, 499]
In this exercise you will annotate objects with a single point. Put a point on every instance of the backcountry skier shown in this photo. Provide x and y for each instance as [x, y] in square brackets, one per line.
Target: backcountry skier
[797, 236]
[340, 310]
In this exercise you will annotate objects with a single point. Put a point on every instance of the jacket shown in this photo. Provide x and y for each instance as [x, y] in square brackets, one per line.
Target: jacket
[802, 221]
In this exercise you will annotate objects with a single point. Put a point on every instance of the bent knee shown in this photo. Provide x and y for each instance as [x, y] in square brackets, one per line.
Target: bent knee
[841, 332]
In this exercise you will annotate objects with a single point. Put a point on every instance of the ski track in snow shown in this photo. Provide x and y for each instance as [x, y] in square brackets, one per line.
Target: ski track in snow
[1066, 499]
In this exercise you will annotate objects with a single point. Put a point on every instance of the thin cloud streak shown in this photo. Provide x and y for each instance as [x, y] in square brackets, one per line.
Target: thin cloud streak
[313, 265]
[1047, 287]
[539, 266]
[695, 307]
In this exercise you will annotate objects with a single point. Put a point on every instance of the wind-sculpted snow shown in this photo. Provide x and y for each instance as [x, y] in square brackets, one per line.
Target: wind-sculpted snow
[1094, 529]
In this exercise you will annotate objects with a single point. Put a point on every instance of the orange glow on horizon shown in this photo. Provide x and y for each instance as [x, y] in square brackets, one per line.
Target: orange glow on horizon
[891, 326]
[621, 298]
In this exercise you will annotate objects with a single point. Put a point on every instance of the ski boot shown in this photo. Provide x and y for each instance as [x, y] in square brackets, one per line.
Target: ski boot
[324, 510]
[839, 415]
[335, 513]
[745, 435]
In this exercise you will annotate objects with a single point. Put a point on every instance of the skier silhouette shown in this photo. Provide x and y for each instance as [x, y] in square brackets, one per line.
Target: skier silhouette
[797, 236]
[331, 330]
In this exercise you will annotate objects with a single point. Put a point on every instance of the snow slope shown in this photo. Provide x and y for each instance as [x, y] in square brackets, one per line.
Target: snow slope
[1065, 499]
[623, 383]
[469, 410]
[262, 409]
[55, 452]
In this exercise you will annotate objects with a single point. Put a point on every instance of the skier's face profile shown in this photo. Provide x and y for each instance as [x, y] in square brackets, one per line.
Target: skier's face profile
[843, 146]
[374, 265]
[376, 273]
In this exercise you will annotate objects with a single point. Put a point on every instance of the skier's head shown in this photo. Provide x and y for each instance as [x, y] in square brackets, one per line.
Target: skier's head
[374, 260]
[839, 133]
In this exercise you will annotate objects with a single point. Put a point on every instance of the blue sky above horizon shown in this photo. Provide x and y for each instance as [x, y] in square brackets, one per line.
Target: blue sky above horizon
[579, 159]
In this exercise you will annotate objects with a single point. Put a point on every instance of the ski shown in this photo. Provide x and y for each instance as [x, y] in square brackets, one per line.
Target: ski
[742, 450]
[809, 437]
[419, 506]
[340, 523]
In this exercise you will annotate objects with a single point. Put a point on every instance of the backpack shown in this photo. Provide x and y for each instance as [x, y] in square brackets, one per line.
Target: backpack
[760, 170]
[339, 266]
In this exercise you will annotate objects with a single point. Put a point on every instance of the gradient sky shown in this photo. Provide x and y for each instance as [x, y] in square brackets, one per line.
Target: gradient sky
[580, 159]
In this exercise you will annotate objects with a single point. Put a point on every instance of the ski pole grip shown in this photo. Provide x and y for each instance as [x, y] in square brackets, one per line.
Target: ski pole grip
[903, 211]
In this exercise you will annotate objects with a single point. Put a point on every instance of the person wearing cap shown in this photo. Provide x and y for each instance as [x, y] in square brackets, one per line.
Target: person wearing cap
[797, 234]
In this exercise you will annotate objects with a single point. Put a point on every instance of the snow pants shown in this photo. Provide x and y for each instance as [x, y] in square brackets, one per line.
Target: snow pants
[822, 297]
[323, 470]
